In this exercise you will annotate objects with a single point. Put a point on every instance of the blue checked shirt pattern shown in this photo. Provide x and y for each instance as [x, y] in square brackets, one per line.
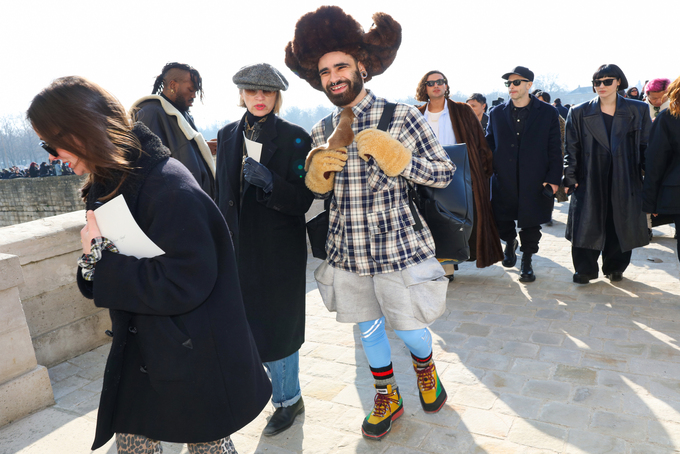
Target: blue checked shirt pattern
[371, 225]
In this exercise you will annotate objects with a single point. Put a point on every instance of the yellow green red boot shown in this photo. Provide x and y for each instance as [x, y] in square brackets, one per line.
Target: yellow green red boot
[432, 393]
[387, 407]
[387, 404]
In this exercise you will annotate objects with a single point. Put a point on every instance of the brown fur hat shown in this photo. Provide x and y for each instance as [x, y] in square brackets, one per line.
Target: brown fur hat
[330, 29]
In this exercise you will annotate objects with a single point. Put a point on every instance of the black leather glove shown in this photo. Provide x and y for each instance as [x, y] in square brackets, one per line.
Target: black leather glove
[258, 175]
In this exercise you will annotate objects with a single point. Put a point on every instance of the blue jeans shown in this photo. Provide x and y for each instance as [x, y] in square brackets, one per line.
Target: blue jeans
[284, 375]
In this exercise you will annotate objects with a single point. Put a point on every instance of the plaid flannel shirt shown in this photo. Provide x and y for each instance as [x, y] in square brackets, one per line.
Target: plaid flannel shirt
[371, 225]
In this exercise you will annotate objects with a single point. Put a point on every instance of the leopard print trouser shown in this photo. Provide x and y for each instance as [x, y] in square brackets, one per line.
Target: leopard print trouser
[139, 444]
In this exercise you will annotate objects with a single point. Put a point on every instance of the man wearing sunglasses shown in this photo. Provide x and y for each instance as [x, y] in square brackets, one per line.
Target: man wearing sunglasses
[656, 96]
[166, 114]
[456, 122]
[524, 136]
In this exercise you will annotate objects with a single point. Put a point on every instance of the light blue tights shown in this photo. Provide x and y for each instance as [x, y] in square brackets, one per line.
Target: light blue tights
[377, 346]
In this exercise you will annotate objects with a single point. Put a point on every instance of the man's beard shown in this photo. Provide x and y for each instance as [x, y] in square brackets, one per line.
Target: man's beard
[181, 103]
[354, 87]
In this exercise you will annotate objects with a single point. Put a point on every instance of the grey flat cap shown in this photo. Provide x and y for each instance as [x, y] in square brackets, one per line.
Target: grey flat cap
[261, 76]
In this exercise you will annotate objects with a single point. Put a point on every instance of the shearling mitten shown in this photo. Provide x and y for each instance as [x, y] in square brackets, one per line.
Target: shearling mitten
[341, 137]
[323, 165]
[389, 153]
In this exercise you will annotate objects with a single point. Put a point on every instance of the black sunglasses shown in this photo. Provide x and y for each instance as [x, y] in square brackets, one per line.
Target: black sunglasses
[606, 82]
[515, 82]
[48, 149]
[430, 83]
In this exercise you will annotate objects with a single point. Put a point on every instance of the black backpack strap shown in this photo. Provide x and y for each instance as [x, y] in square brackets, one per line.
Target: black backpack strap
[412, 193]
[386, 116]
[328, 127]
[327, 131]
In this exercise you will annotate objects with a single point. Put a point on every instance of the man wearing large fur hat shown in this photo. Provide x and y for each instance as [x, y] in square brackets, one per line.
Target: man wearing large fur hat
[381, 264]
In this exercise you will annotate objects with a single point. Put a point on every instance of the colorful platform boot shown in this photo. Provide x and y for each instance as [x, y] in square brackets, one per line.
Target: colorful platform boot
[431, 391]
[387, 405]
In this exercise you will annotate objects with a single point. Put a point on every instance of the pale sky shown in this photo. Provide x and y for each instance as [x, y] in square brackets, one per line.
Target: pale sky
[123, 44]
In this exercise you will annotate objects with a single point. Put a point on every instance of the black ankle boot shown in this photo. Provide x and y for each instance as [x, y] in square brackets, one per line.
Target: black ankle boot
[527, 272]
[509, 255]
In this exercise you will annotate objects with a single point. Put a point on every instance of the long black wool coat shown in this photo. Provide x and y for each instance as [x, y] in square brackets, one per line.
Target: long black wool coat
[588, 158]
[269, 232]
[519, 171]
[183, 365]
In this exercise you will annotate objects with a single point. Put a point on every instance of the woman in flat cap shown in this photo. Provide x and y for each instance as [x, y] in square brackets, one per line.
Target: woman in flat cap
[260, 189]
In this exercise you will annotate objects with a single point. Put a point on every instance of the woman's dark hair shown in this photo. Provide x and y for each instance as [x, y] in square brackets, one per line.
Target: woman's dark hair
[79, 116]
[421, 91]
[611, 70]
[160, 81]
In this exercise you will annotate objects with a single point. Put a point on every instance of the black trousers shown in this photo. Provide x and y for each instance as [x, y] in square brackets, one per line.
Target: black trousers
[528, 236]
[613, 259]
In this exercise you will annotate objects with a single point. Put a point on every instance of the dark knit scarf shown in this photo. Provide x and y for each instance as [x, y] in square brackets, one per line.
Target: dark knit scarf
[253, 125]
[153, 152]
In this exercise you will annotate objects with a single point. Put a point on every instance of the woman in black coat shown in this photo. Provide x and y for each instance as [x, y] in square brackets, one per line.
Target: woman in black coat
[604, 157]
[183, 365]
[661, 191]
[264, 200]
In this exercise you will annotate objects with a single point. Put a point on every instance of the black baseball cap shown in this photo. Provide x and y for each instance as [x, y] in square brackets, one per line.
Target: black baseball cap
[520, 71]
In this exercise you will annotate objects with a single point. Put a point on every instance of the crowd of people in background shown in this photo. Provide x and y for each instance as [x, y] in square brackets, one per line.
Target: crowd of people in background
[45, 169]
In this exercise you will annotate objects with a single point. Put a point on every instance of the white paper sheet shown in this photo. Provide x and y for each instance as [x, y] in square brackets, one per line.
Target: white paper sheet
[253, 148]
[117, 224]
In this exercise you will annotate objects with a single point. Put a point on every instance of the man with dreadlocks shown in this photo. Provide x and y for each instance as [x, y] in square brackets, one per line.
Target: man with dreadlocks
[381, 267]
[166, 113]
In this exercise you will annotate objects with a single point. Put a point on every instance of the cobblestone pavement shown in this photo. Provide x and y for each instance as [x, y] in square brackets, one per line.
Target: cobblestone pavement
[546, 367]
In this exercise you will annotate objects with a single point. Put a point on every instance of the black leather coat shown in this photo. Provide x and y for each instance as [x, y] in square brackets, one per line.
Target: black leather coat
[587, 161]
[662, 176]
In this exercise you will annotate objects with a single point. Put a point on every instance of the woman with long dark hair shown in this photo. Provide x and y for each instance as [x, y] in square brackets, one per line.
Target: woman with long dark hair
[661, 193]
[264, 199]
[183, 366]
[605, 141]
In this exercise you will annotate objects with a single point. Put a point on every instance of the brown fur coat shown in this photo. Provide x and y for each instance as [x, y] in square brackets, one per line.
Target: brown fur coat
[485, 245]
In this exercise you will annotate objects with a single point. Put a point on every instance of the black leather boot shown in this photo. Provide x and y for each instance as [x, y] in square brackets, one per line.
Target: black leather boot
[527, 272]
[510, 256]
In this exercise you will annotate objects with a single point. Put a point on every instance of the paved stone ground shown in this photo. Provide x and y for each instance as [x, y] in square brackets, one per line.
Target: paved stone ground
[546, 367]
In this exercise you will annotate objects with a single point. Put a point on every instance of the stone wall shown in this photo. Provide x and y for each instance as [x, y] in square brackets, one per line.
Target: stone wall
[61, 322]
[28, 199]
[24, 385]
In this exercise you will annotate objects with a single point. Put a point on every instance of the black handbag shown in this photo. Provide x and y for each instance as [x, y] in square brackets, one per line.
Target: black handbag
[448, 211]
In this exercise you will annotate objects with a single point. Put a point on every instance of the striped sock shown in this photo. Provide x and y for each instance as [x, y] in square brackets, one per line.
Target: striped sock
[384, 376]
[422, 363]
